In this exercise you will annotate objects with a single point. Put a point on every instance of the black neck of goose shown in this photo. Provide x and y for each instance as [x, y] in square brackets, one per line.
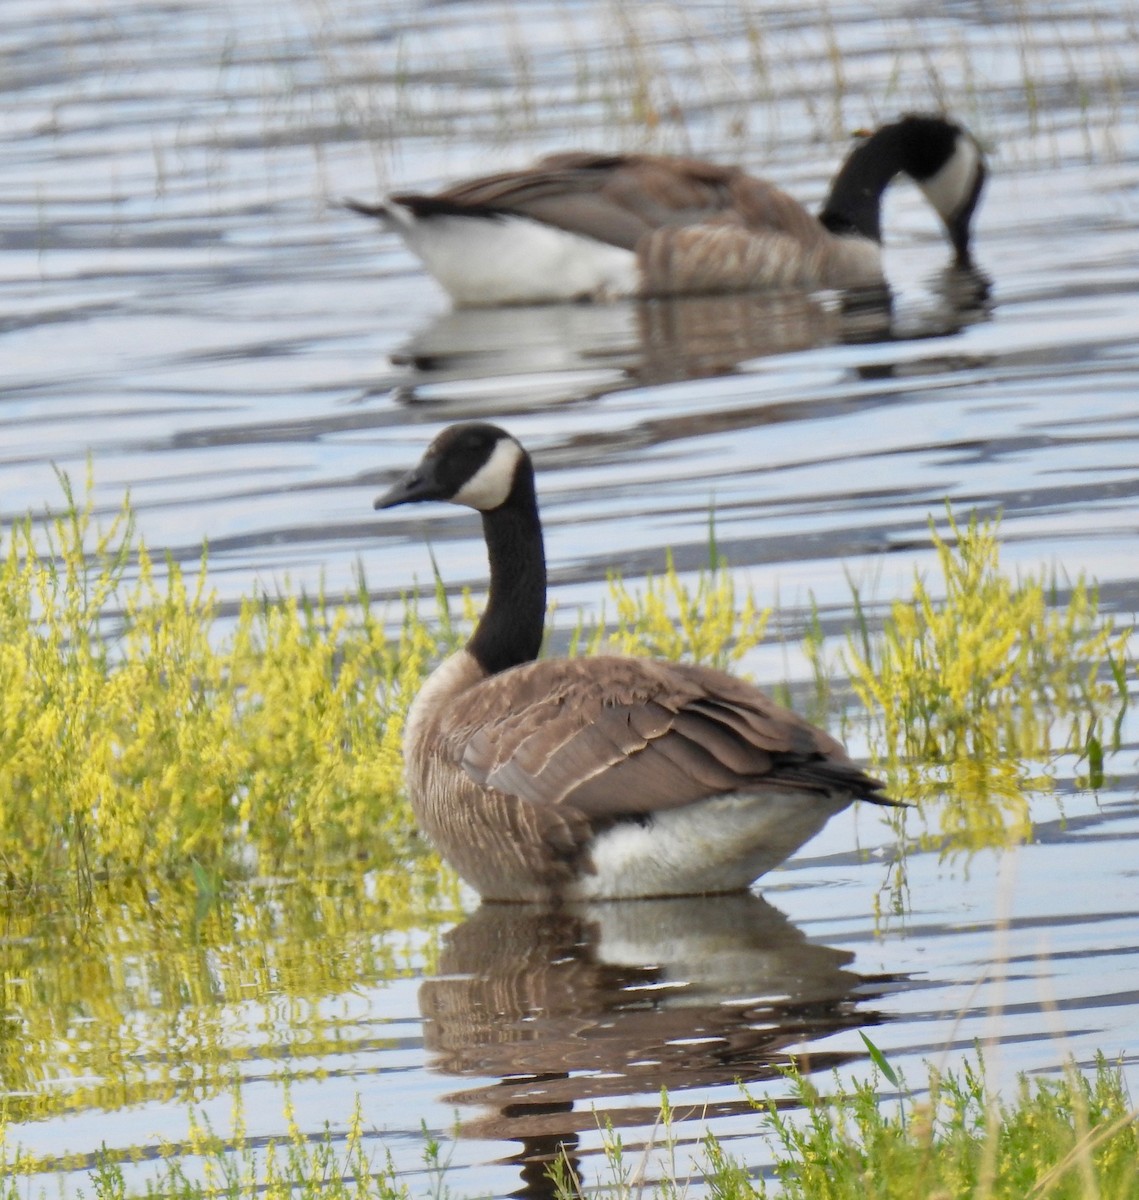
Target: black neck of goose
[510, 631]
[854, 205]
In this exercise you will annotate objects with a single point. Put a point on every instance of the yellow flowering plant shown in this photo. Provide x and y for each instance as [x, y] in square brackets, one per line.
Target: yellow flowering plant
[971, 695]
[138, 734]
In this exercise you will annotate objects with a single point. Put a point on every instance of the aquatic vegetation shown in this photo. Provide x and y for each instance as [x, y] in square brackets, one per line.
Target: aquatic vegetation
[159, 763]
[991, 667]
[138, 736]
[669, 77]
[971, 695]
[1075, 1137]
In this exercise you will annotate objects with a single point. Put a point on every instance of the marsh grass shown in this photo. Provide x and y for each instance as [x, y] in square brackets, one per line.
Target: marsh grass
[996, 666]
[678, 78]
[208, 1165]
[1076, 1136]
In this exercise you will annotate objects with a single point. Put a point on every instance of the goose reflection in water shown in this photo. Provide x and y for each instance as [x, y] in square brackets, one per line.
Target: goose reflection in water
[564, 353]
[571, 1008]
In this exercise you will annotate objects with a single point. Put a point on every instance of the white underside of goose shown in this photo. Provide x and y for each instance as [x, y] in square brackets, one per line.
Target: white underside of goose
[488, 261]
[716, 845]
[513, 260]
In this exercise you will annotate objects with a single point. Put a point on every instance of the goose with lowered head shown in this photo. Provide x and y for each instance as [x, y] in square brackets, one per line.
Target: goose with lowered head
[594, 778]
[580, 226]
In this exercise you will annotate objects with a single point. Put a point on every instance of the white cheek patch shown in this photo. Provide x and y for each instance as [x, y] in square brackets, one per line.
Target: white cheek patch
[489, 486]
[948, 190]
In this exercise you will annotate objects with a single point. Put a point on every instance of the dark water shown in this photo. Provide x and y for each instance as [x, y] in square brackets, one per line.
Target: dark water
[181, 301]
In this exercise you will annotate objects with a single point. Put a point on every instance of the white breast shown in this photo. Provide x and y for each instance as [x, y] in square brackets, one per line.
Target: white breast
[451, 677]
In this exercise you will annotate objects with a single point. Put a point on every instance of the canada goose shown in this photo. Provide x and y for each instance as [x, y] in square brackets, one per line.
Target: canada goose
[594, 778]
[592, 226]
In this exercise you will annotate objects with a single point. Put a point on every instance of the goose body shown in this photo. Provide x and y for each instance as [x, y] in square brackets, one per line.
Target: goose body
[580, 226]
[594, 778]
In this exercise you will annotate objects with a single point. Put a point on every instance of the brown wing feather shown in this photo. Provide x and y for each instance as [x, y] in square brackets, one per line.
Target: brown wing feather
[619, 735]
[723, 742]
[619, 199]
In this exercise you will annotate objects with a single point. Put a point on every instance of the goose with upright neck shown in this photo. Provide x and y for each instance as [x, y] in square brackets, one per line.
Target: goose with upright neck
[594, 778]
[581, 226]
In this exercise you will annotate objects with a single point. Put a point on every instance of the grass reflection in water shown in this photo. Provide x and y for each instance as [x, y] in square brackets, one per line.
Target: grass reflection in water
[159, 991]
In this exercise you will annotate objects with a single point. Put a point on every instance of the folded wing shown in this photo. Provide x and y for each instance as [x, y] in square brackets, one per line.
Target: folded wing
[628, 737]
[619, 199]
